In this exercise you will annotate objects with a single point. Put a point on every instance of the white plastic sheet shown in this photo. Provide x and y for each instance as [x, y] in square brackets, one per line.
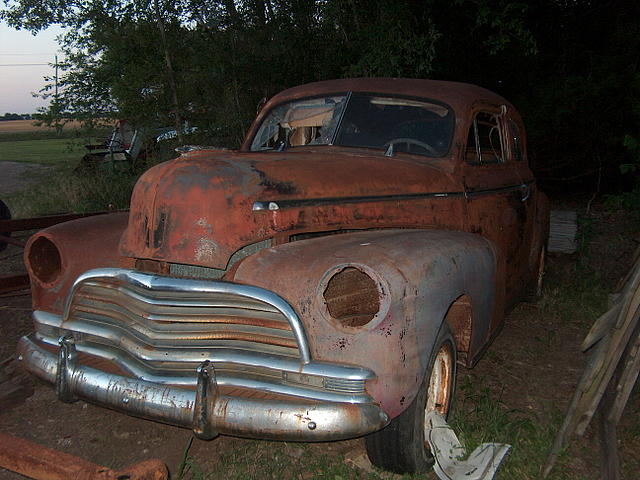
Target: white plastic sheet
[482, 464]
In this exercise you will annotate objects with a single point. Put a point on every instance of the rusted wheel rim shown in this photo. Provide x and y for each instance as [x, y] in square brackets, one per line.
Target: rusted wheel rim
[440, 383]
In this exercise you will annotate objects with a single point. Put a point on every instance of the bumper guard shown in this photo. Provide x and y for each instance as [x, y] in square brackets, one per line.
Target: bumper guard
[206, 411]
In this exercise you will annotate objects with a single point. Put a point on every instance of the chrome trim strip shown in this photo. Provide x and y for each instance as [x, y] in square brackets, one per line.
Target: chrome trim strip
[154, 282]
[253, 418]
[323, 201]
[229, 379]
[332, 374]
[333, 370]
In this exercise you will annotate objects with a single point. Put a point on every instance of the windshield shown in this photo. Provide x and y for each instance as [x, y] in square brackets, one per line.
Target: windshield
[393, 124]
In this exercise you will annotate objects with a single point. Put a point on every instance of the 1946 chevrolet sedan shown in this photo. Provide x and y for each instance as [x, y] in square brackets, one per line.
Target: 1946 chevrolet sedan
[320, 283]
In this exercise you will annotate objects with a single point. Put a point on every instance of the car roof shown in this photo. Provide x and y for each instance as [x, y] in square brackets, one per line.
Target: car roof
[458, 95]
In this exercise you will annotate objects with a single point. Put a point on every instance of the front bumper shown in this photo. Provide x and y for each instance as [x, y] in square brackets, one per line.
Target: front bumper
[205, 410]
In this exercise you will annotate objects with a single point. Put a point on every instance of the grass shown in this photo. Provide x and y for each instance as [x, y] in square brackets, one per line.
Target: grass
[59, 189]
[263, 460]
[484, 417]
[574, 297]
[64, 193]
[63, 153]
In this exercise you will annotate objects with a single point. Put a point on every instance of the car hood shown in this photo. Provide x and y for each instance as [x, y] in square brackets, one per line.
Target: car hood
[201, 207]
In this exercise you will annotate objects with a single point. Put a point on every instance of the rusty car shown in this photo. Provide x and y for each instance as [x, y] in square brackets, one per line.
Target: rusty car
[322, 282]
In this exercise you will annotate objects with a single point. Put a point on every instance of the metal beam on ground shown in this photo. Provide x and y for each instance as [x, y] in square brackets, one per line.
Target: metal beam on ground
[42, 463]
[11, 283]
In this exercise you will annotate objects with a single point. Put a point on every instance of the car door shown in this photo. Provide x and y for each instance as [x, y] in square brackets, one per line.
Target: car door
[499, 191]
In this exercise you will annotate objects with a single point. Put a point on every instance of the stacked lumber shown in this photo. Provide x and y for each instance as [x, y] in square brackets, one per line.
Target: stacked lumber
[610, 374]
[563, 226]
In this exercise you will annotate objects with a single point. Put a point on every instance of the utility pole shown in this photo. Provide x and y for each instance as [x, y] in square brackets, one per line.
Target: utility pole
[56, 78]
[56, 108]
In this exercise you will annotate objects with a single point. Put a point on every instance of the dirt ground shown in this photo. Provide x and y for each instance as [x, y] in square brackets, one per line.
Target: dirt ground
[16, 176]
[533, 365]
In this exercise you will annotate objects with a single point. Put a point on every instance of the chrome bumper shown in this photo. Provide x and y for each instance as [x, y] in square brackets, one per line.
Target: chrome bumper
[204, 410]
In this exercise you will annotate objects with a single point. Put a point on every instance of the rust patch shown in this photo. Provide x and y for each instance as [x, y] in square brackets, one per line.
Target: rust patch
[352, 297]
[460, 319]
[283, 188]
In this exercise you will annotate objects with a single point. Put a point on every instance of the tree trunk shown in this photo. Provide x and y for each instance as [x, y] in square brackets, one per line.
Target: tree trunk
[170, 73]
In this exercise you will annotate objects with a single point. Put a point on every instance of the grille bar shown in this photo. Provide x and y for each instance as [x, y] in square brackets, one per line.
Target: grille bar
[235, 362]
[135, 308]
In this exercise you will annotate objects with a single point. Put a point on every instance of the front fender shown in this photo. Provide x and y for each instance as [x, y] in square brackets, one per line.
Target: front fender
[81, 244]
[419, 273]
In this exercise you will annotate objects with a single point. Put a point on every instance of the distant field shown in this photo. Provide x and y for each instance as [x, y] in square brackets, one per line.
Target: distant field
[62, 152]
[26, 126]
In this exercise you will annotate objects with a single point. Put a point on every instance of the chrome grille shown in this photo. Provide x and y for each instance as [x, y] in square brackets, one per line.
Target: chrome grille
[153, 318]
[160, 329]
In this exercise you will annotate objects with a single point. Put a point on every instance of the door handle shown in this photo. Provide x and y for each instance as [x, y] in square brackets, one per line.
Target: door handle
[525, 190]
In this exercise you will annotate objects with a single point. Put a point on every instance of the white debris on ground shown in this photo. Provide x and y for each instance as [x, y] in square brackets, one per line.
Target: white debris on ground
[482, 464]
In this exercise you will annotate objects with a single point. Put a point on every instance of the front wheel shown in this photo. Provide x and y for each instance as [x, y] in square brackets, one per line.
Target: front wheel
[402, 446]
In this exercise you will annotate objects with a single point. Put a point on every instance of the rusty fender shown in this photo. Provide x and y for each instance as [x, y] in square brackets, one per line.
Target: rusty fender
[418, 273]
[57, 255]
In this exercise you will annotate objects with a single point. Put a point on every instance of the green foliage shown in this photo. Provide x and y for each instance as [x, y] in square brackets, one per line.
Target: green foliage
[570, 67]
[63, 192]
[157, 62]
[629, 200]
[633, 145]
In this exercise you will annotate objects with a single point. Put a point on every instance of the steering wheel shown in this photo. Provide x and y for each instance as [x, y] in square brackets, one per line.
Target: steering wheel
[411, 141]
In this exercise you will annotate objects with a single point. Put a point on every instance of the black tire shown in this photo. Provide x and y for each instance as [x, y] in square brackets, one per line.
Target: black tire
[5, 214]
[401, 446]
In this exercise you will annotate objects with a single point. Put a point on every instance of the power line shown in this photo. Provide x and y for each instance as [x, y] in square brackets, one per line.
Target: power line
[26, 54]
[23, 64]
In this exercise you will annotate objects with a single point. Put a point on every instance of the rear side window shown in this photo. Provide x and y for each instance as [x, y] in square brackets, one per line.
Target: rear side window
[516, 140]
[485, 142]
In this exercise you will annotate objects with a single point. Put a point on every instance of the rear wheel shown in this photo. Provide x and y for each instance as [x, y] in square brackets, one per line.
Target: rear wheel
[402, 447]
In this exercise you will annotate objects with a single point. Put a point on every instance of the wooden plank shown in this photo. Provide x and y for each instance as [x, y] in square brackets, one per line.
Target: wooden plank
[610, 466]
[608, 362]
[630, 372]
[563, 225]
[602, 326]
[606, 359]
[11, 283]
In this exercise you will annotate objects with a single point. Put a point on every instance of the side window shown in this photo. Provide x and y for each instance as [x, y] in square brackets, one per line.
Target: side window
[516, 139]
[485, 143]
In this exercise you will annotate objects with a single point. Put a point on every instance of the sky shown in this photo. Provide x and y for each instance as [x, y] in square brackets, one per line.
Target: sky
[18, 77]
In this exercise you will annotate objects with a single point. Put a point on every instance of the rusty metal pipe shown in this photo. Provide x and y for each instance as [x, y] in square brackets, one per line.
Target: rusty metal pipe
[37, 223]
[11, 241]
[42, 463]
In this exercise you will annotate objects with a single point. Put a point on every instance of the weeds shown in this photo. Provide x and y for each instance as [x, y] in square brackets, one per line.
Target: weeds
[261, 460]
[482, 417]
[575, 295]
[65, 192]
